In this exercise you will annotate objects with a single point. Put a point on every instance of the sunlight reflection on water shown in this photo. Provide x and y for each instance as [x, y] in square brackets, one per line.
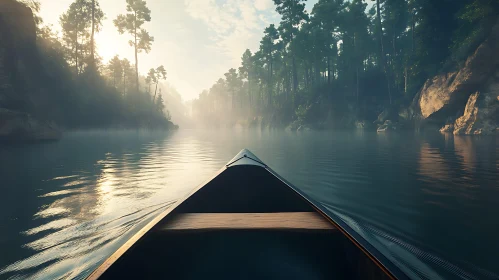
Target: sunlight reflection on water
[88, 194]
[91, 215]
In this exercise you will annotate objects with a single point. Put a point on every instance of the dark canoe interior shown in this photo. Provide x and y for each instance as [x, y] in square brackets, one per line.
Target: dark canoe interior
[200, 239]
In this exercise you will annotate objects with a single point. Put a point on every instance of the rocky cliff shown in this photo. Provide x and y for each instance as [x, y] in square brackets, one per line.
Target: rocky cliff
[20, 72]
[464, 101]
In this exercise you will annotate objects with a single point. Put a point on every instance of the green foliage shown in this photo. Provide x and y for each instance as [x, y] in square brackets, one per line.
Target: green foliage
[159, 103]
[154, 77]
[138, 14]
[246, 68]
[144, 41]
[234, 83]
[132, 22]
[293, 13]
[116, 70]
[75, 95]
[160, 73]
[302, 112]
[128, 74]
[342, 59]
[476, 18]
[76, 24]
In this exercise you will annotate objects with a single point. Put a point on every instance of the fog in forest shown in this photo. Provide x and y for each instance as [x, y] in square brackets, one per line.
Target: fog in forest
[289, 64]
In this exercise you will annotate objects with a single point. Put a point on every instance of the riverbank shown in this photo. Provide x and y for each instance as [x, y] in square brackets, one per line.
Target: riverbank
[464, 101]
[19, 127]
[43, 94]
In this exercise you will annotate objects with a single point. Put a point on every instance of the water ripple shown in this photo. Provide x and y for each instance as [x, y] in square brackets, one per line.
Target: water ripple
[415, 195]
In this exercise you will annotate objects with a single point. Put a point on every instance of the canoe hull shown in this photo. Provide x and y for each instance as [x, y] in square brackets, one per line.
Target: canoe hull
[245, 223]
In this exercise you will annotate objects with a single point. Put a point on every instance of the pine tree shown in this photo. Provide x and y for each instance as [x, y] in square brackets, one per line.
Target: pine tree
[132, 23]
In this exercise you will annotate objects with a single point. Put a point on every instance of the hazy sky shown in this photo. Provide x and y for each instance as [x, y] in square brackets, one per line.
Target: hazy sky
[196, 40]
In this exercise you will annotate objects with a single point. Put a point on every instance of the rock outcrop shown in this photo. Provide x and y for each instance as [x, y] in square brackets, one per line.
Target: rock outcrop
[447, 128]
[18, 54]
[361, 124]
[388, 125]
[480, 115]
[21, 127]
[20, 73]
[446, 95]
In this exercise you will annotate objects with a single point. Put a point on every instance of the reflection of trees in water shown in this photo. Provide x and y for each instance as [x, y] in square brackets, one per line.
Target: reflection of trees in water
[454, 193]
[432, 164]
[93, 212]
[463, 147]
[460, 168]
[447, 170]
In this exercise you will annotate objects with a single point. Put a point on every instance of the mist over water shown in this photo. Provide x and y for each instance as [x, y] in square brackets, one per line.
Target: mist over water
[66, 206]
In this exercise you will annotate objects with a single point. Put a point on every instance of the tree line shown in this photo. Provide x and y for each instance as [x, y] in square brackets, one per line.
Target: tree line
[343, 62]
[88, 92]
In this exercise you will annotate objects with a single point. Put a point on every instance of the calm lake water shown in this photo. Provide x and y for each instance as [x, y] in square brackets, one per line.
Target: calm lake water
[431, 199]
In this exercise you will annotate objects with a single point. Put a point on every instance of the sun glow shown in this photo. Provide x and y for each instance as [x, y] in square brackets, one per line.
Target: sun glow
[187, 38]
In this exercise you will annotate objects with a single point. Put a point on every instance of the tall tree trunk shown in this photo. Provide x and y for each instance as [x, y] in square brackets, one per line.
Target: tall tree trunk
[413, 26]
[394, 48]
[250, 101]
[269, 100]
[76, 54]
[395, 76]
[333, 72]
[260, 95]
[155, 90]
[286, 81]
[124, 83]
[295, 78]
[317, 74]
[411, 56]
[232, 102]
[357, 82]
[136, 57]
[357, 63]
[382, 50]
[92, 57]
[380, 28]
[388, 86]
[306, 77]
[328, 71]
[405, 79]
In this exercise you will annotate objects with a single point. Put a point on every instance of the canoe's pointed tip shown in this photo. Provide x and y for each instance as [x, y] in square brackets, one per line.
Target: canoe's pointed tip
[245, 153]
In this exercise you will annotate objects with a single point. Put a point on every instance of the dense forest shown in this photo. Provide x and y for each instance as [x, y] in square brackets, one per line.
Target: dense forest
[343, 63]
[75, 88]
